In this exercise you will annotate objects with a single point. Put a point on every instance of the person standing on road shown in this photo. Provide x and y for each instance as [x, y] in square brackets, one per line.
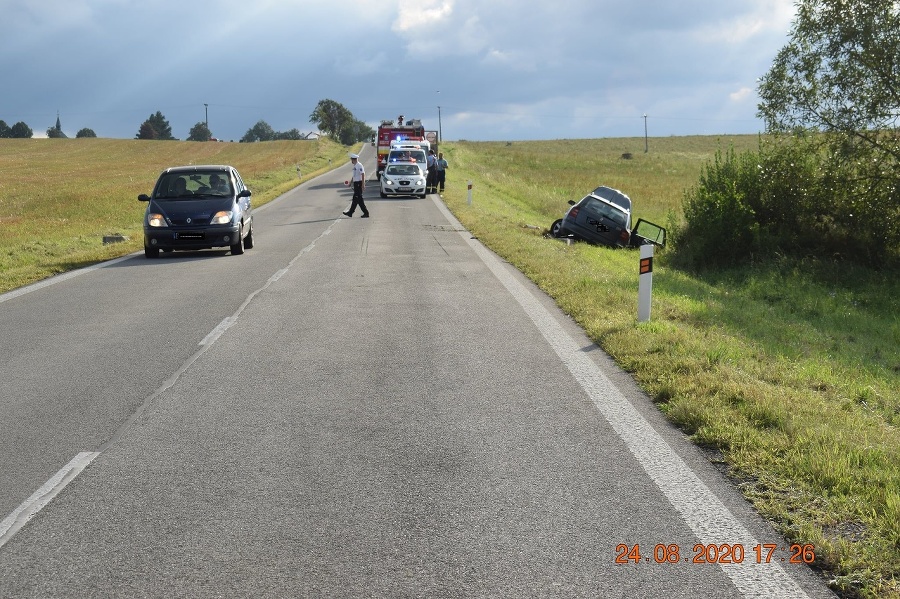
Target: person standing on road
[431, 177]
[359, 185]
[441, 166]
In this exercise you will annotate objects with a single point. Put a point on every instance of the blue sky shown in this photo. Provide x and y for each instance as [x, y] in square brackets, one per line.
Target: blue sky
[498, 69]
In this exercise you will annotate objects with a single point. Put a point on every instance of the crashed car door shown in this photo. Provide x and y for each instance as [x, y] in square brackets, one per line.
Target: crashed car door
[645, 232]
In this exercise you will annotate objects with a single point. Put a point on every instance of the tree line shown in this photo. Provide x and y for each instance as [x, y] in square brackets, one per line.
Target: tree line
[825, 180]
[22, 131]
[332, 119]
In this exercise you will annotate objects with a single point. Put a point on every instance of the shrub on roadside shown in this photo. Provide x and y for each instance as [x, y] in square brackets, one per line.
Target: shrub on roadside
[788, 198]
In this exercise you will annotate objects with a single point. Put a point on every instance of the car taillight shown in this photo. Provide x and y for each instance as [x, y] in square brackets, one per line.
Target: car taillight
[625, 236]
[574, 211]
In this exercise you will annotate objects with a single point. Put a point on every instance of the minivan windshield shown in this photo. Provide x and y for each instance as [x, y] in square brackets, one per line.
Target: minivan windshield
[190, 185]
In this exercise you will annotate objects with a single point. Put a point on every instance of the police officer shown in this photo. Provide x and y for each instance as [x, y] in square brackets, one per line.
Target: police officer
[359, 185]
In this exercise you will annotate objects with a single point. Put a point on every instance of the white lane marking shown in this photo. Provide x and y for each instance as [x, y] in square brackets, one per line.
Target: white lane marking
[705, 514]
[34, 504]
[217, 332]
[50, 489]
[59, 279]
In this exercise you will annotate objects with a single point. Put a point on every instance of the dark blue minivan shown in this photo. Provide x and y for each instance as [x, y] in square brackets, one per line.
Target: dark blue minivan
[198, 207]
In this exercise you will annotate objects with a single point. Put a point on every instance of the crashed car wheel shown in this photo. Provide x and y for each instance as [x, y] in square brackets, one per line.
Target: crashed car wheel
[556, 228]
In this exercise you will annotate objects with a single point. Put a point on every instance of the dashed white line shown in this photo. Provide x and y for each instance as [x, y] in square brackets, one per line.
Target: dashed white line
[50, 489]
[31, 506]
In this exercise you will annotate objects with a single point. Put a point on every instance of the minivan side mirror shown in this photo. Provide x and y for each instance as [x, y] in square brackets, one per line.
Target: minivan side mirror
[245, 193]
[143, 198]
[572, 202]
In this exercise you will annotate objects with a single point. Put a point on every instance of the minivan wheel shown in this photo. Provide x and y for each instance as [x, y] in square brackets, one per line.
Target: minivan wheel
[151, 252]
[248, 240]
[238, 248]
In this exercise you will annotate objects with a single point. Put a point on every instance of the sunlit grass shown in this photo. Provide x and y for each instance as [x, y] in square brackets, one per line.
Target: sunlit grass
[790, 371]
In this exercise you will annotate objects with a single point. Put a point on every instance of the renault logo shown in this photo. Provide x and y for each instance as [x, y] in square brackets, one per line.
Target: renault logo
[188, 221]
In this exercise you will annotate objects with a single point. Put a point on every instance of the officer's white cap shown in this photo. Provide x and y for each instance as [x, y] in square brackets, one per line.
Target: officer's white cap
[354, 155]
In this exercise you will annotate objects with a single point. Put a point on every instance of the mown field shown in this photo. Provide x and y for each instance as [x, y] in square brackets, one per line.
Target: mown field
[786, 372]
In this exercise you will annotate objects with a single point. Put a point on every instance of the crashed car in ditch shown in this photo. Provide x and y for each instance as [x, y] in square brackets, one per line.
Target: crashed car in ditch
[603, 217]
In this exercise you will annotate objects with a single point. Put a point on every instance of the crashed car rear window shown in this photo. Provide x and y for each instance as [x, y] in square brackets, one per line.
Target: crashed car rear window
[601, 208]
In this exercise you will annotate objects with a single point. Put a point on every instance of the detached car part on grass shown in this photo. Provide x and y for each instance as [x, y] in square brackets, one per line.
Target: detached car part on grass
[603, 217]
[197, 208]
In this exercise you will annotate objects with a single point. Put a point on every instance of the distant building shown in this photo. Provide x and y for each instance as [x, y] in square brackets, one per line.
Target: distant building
[57, 130]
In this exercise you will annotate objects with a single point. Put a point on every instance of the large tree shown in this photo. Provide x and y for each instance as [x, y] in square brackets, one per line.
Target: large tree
[155, 127]
[261, 131]
[21, 131]
[837, 84]
[5, 130]
[331, 118]
[334, 120]
[200, 132]
[840, 71]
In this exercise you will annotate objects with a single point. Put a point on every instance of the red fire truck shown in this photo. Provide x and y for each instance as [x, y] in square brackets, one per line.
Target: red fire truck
[389, 131]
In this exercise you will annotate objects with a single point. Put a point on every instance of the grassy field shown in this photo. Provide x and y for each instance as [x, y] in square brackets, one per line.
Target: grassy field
[787, 372]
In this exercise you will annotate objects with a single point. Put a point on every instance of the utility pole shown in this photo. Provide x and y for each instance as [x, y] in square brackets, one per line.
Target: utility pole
[646, 147]
[440, 136]
[206, 108]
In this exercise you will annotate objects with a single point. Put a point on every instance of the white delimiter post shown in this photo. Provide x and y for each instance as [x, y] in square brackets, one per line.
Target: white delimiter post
[469, 200]
[645, 285]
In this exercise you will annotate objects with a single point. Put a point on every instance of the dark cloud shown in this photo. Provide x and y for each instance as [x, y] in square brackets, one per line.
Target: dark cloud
[499, 70]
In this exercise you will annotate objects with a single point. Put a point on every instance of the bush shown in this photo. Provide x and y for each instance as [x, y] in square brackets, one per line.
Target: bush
[721, 225]
[789, 198]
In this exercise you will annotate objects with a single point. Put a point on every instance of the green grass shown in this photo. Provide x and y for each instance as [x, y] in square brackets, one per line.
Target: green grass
[787, 371]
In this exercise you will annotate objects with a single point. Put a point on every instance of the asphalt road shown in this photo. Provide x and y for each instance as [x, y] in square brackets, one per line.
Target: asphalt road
[353, 408]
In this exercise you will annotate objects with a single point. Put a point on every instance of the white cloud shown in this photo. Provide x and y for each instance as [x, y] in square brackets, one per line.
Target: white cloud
[416, 14]
[741, 94]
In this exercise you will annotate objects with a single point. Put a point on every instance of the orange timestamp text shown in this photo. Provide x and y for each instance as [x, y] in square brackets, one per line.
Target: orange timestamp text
[712, 553]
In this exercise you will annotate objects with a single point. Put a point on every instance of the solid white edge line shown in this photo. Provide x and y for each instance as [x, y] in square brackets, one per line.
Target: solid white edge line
[705, 514]
[59, 278]
[50, 489]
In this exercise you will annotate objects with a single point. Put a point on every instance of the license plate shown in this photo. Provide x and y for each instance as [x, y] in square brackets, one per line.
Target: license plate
[189, 235]
[406, 189]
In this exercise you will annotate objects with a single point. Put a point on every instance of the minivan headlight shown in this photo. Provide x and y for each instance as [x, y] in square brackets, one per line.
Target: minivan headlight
[222, 217]
[156, 220]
